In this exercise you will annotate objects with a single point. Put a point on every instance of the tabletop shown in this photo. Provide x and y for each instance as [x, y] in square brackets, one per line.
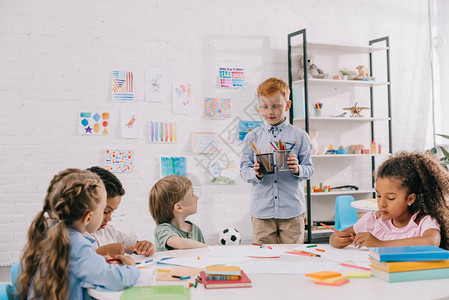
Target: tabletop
[274, 285]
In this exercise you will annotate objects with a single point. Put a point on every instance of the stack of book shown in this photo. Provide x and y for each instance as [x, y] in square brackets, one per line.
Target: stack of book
[396, 264]
[217, 277]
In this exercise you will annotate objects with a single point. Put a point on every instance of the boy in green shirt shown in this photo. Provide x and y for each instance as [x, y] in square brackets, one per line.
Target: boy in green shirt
[171, 201]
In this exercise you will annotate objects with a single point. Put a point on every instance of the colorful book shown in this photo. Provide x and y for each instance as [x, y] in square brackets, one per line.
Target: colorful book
[223, 277]
[408, 253]
[222, 270]
[411, 275]
[402, 266]
[244, 281]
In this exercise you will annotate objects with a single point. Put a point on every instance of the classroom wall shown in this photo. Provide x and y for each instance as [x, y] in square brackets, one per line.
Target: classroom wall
[57, 57]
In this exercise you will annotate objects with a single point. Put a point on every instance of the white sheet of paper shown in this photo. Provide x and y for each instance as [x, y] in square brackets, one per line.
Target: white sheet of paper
[250, 251]
[204, 261]
[282, 267]
[131, 121]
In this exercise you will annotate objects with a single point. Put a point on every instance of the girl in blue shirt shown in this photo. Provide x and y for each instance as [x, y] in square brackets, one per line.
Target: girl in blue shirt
[58, 262]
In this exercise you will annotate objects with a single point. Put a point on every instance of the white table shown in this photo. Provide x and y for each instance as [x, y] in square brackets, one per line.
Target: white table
[365, 205]
[276, 287]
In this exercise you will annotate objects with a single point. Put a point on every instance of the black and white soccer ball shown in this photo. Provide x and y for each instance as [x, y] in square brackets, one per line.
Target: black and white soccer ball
[230, 236]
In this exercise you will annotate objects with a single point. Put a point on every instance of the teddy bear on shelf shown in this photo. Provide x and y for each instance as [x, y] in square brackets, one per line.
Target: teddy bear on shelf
[312, 70]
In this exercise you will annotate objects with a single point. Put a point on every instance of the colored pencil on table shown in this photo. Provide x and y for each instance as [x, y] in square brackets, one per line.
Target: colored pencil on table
[322, 224]
[354, 266]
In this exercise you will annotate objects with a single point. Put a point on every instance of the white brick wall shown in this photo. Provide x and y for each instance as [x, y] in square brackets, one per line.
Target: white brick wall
[56, 58]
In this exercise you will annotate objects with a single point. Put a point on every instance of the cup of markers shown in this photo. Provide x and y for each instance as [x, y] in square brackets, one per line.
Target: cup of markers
[318, 109]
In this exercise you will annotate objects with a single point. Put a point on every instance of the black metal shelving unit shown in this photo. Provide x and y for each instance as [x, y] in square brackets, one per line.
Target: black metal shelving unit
[302, 33]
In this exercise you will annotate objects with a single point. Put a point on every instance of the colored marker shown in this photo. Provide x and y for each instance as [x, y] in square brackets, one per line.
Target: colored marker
[180, 277]
[312, 254]
[311, 246]
[299, 253]
[321, 250]
[322, 224]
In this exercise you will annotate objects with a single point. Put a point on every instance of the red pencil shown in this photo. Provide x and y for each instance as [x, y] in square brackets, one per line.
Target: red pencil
[322, 224]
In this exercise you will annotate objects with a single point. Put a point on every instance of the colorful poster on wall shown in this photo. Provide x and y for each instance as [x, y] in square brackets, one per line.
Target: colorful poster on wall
[173, 166]
[163, 132]
[247, 126]
[232, 77]
[182, 99]
[217, 109]
[93, 123]
[120, 161]
[131, 121]
[204, 142]
[122, 86]
[156, 85]
[223, 172]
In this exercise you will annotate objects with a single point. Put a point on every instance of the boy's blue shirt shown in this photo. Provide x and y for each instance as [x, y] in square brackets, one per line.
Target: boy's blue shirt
[279, 195]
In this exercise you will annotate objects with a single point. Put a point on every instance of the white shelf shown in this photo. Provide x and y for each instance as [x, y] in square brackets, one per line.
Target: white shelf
[348, 155]
[359, 191]
[363, 119]
[341, 47]
[336, 82]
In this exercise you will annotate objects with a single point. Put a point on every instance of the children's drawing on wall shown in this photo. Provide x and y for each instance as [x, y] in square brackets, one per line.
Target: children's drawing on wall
[222, 172]
[122, 86]
[173, 166]
[120, 161]
[163, 132]
[131, 121]
[156, 85]
[232, 77]
[247, 126]
[93, 123]
[182, 99]
[217, 109]
[204, 142]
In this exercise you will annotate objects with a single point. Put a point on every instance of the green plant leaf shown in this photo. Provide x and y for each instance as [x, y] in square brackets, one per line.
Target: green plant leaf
[445, 152]
[444, 162]
[443, 135]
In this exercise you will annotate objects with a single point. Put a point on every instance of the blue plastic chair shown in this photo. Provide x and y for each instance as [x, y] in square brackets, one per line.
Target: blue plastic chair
[15, 271]
[6, 291]
[345, 214]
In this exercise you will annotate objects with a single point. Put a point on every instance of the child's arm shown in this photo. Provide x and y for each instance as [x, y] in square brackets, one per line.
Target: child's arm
[177, 242]
[343, 238]
[430, 237]
[111, 249]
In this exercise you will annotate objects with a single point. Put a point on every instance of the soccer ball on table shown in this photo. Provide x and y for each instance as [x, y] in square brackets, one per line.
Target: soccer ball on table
[230, 236]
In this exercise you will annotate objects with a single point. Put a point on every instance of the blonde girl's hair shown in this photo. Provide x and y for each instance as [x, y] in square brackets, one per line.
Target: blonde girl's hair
[421, 174]
[71, 194]
[274, 85]
[165, 194]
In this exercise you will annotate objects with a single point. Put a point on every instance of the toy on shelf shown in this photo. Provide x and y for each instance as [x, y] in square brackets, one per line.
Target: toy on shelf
[331, 150]
[321, 189]
[342, 150]
[355, 110]
[345, 75]
[312, 70]
[363, 74]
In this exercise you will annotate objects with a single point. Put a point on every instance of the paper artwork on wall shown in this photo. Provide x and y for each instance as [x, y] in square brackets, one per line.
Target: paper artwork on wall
[122, 86]
[204, 142]
[163, 132]
[93, 123]
[247, 126]
[131, 121]
[120, 161]
[182, 99]
[223, 172]
[232, 77]
[156, 85]
[173, 166]
[217, 109]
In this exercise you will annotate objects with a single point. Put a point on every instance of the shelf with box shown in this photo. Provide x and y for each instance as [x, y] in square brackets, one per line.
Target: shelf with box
[353, 114]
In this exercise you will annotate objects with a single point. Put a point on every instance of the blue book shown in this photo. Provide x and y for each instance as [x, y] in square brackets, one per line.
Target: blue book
[411, 275]
[408, 253]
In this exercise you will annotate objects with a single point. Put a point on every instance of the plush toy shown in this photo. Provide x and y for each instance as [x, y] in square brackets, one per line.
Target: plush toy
[363, 72]
[312, 70]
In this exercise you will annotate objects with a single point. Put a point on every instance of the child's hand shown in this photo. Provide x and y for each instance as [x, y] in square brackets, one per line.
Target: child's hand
[293, 163]
[125, 260]
[366, 239]
[110, 260]
[341, 239]
[256, 169]
[143, 248]
[111, 249]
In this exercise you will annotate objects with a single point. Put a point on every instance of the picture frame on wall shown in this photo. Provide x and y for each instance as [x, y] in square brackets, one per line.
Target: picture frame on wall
[204, 142]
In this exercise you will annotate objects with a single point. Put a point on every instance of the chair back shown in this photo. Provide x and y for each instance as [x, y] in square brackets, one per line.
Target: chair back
[6, 291]
[15, 271]
[345, 214]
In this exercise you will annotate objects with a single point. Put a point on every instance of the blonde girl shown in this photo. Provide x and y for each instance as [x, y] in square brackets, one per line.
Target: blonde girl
[412, 192]
[58, 262]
